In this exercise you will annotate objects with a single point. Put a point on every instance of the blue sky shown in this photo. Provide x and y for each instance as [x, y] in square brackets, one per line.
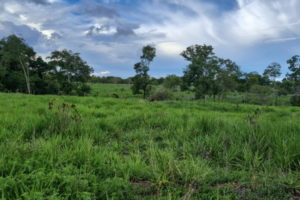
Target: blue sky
[109, 34]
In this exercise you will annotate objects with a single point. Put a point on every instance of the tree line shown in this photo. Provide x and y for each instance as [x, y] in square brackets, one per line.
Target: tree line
[21, 70]
[209, 75]
[65, 72]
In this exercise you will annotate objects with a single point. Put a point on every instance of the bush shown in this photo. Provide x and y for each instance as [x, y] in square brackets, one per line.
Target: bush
[241, 87]
[262, 93]
[96, 94]
[83, 90]
[295, 100]
[68, 87]
[73, 93]
[115, 96]
[161, 95]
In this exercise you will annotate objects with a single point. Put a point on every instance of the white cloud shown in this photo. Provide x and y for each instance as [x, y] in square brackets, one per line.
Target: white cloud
[235, 34]
[101, 73]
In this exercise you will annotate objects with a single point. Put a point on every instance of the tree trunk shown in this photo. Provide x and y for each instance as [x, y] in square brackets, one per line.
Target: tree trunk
[26, 77]
[144, 89]
[214, 98]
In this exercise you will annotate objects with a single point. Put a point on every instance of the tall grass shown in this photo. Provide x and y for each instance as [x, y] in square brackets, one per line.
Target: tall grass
[127, 149]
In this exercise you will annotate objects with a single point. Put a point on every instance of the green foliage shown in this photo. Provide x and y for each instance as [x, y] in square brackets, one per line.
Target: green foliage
[83, 90]
[253, 81]
[241, 87]
[184, 86]
[282, 92]
[295, 100]
[208, 73]
[15, 49]
[70, 64]
[294, 63]
[127, 149]
[73, 93]
[142, 80]
[273, 70]
[262, 92]
[161, 95]
[115, 96]
[172, 81]
[67, 87]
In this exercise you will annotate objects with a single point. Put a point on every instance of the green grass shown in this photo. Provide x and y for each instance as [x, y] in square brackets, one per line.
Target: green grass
[126, 149]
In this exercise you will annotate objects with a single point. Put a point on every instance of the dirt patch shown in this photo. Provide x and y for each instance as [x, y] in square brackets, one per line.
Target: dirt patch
[142, 184]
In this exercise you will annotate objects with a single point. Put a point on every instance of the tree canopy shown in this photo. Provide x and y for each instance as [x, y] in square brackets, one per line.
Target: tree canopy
[22, 70]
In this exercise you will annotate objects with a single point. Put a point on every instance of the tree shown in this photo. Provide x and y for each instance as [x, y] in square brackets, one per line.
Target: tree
[294, 63]
[14, 48]
[93, 79]
[115, 80]
[141, 80]
[39, 66]
[273, 70]
[253, 81]
[129, 80]
[70, 64]
[225, 80]
[201, 72]
[153, 81]
[172, 81]
[161, 80]
[207, 73]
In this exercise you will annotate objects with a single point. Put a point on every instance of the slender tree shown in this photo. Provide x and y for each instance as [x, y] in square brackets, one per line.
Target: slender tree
[14, 48]
[294, 63]
[273, 70]
[141, 80]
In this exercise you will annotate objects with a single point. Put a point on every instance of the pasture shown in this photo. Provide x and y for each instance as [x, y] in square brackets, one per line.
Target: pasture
[106, 148]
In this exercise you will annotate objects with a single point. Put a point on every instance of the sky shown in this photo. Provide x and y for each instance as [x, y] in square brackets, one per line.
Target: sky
[110, 34]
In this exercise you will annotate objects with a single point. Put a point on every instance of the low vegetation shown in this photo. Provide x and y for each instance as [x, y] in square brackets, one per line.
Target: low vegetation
[67, 147]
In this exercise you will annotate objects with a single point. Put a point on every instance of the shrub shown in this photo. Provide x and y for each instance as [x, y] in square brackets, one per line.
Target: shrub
[161, 95]
[68, 87]
[262, 92]
[184, 87]
[96, 94]
[295, 100]
[241, 87]
[83, 90]
[115, 96]
[73, 93]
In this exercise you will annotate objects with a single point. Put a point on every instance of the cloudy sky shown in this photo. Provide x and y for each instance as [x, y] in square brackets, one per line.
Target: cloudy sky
[110, 34]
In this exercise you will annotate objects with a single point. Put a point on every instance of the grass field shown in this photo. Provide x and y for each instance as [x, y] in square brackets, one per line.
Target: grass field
[131, 149]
